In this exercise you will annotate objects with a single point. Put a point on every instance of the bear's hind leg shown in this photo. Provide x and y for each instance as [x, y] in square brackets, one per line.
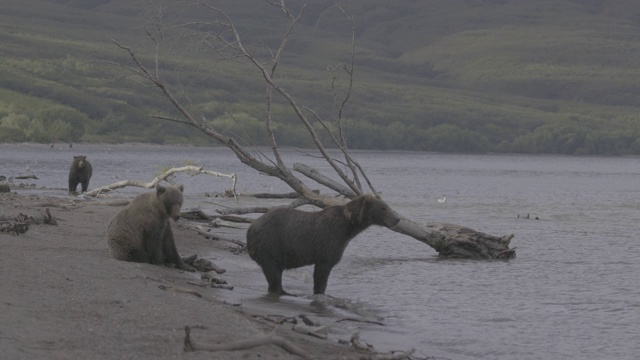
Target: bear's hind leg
[152, 243]
[321, 277]
[274, 278]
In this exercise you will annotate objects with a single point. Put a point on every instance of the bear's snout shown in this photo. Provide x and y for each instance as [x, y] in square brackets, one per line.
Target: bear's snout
[393, 221]
[390, 220]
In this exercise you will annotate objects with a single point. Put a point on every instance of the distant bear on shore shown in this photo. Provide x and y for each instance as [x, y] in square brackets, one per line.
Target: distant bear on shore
[285, 238]
[80, 173]
[141, 232]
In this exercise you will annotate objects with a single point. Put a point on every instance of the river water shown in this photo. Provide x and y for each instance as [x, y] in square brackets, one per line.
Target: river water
[573, 292]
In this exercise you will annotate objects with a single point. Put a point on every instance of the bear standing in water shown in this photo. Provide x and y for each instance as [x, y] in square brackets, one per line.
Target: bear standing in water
[141, 232]
[80, 173]
[285, 238]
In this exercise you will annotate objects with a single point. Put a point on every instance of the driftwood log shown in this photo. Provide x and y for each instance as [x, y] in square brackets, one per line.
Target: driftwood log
[25, 177]
[20, 223]
[260, 209]
[456, 241]
[271, 339]
[190, 169]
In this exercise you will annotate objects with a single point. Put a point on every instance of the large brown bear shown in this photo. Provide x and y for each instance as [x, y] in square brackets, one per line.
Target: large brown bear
[80, 173]
[141, 232]
[285, 238]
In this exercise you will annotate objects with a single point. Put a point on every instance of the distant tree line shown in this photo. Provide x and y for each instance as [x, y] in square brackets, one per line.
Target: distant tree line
[59, 123]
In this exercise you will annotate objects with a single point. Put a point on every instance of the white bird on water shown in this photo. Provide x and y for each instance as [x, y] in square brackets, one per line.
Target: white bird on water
[442, 200]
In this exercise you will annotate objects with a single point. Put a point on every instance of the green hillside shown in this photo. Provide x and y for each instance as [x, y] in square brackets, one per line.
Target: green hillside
[556, 76]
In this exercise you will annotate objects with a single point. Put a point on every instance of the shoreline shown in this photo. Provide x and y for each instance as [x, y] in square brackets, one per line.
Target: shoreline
[63, 296]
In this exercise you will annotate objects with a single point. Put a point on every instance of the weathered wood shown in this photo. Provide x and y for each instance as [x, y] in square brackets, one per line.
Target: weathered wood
[192, 170]
[208, 233]
[290, 195]
[455, 241]
[238, 219]
[223, 223]
[271, 339]
[313, 174]
[195, 214]
[245, 210]
[14, 226]
[262, 209]
[199, 215]
[20, 223]
[27, 176]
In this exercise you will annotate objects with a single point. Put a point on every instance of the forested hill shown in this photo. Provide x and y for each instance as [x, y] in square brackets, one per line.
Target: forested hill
[543, 76]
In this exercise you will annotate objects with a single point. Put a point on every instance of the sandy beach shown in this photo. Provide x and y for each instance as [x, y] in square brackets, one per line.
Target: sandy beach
[63, 297]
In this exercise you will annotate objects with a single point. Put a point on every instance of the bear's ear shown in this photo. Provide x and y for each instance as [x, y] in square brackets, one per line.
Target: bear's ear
[160, 189]
[356, 210]
[365, 204]
[181, 188]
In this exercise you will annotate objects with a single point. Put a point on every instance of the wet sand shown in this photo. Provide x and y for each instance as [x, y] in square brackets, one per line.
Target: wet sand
[63, 297]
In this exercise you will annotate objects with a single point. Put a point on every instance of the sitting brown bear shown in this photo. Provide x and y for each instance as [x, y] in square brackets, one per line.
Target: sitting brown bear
[80, 173]
[285, 238]
[141, 232]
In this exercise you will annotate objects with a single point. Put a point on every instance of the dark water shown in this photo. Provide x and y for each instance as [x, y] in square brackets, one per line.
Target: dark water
[572, 293]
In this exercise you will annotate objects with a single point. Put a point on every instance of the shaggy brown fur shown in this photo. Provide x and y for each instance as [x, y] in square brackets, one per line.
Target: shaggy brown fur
[141, 232]
[286, 238]
[80, 173]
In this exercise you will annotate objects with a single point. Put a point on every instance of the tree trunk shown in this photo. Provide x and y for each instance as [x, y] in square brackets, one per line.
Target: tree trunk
[455, 241]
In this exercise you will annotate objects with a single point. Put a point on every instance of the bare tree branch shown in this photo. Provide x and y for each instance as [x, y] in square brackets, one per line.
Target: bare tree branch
[223, 37]
[193, 170]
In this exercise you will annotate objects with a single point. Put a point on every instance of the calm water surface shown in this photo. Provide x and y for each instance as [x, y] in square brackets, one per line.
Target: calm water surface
[572, 293]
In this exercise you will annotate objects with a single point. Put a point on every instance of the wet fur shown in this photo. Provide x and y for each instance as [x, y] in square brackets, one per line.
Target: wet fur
[286, 238]
[141, 232]
[80, 173]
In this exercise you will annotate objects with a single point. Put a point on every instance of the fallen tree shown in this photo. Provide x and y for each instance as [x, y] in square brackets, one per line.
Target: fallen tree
[166, 26]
